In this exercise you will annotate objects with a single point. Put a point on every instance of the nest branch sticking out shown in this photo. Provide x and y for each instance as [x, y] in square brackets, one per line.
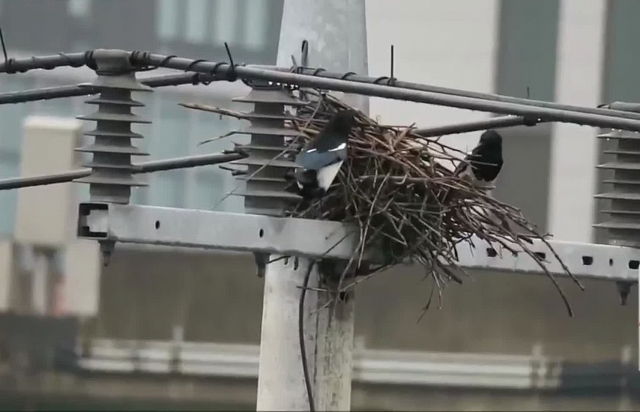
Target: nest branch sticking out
[396, 188]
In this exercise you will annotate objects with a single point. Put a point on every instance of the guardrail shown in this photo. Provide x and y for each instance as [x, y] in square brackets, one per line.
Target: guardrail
[370, 366]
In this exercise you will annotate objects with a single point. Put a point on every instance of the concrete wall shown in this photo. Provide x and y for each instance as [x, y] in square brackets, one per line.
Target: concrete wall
[163, 394]
[218, 297]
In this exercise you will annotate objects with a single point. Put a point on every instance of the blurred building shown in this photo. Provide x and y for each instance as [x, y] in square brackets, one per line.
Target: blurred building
[499, 341]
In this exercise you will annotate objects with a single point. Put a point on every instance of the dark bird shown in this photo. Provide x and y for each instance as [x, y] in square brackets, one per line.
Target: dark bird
[481, 168]
[320, 161]
[484, 162]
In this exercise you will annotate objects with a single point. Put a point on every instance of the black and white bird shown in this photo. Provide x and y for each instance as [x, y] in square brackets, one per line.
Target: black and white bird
[320, 162]
[482, 166]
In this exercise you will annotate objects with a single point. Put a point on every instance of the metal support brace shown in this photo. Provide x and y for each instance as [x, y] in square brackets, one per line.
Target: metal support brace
[623, 225]
[112, 176]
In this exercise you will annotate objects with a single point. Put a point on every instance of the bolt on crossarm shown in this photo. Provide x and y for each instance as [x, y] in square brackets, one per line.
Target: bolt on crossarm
[112, 174]
[623, 225]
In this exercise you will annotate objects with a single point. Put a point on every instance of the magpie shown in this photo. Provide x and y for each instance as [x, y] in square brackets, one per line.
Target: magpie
[481, 168]
[484, 163]
[320, 161]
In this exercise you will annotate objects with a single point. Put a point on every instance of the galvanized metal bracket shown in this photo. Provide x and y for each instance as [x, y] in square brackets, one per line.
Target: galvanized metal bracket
[323, 239]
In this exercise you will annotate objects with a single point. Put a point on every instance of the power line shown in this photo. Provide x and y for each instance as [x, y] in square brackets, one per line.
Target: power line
[465, 93]
[50, 93]
[551, 113]
[147, 167]
[352, 83]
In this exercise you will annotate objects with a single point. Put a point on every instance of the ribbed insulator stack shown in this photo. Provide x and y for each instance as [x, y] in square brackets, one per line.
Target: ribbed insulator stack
[112, 179]
[267, 164]
[623, 224]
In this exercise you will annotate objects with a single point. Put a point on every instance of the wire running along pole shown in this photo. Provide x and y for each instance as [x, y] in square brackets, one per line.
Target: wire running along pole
[147, 167]
[547, 111]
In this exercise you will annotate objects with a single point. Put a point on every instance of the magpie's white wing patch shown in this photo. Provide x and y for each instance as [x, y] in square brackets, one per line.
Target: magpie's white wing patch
[464, 171]
[339, 148]
[312, 159]
[327, 175]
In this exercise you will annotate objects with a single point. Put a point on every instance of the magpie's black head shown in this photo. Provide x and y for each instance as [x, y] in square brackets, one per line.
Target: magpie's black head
[491, 138]
[343, 120]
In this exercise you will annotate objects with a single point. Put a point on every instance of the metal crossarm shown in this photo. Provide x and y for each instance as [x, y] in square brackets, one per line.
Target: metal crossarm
[215, 230]
[287, 236]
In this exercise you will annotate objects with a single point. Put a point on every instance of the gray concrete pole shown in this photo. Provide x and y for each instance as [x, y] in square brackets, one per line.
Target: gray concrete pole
[336, 34]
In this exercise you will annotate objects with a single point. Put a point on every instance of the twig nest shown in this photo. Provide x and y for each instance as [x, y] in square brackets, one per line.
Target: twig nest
[400, 190]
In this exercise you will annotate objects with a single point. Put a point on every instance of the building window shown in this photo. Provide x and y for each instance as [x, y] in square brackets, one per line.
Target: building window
[176, 132]
[166, 139]
[197, 20]
[255, 24]
[211, 183]
[167, 20]
[225, 17]
[79, 8]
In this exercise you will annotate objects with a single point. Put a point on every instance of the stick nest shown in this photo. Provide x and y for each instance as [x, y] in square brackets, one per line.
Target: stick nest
[399, 189]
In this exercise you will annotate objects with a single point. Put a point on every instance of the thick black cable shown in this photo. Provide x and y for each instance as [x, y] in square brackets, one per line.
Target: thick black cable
[301, 340]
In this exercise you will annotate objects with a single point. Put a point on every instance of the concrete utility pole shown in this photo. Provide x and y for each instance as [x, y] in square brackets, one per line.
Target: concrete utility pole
[336, 34]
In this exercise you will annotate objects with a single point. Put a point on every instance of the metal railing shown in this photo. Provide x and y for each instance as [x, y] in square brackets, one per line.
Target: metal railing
[370, 366]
